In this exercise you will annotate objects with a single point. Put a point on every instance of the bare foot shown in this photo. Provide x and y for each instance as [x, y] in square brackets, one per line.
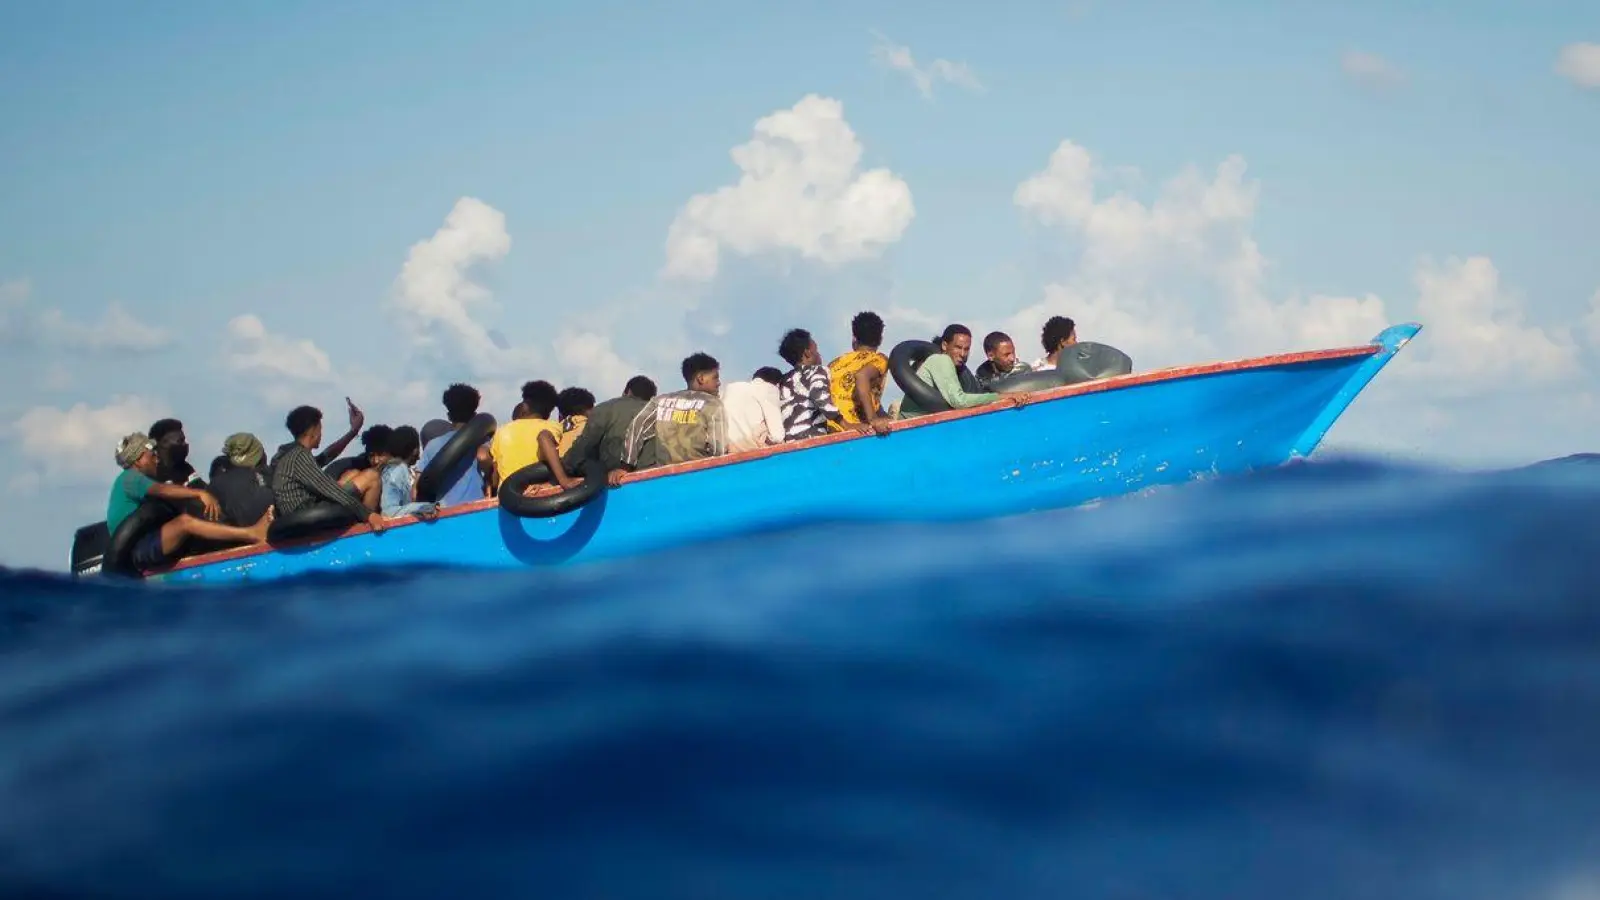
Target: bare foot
[259, 529]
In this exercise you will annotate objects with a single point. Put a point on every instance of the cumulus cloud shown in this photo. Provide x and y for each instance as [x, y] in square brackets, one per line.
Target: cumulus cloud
[800, 191]
[1371, 70]
[285, 371]
[1580, 64]
[899, 58]
[115, 331]
[435, 293]
[77, 445]
[253, 351]
[589, 358]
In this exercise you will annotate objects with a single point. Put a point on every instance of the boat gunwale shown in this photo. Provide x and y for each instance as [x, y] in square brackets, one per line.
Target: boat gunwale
[1006, 402]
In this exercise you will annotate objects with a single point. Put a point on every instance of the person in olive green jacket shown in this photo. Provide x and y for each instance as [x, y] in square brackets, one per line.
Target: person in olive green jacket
[607, 429]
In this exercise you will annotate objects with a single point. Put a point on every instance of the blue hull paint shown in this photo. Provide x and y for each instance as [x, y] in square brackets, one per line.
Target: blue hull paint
[1050, 454]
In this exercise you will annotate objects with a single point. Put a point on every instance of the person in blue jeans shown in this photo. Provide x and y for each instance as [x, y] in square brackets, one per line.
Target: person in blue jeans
[466, 483]
[399, 482]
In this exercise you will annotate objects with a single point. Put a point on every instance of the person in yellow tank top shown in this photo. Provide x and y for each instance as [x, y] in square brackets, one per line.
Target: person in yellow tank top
[530, 437]
[857, 378]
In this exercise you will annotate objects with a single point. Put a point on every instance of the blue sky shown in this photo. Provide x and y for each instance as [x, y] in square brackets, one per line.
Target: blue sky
[168, 169]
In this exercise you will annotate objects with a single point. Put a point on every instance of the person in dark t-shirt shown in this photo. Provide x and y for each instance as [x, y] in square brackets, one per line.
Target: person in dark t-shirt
[240, 484]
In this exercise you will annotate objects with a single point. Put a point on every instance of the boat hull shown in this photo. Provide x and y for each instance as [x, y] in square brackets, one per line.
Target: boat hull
[1068, 447]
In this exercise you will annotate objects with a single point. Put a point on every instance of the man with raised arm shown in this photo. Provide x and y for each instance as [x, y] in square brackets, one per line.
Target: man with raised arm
[298, 481]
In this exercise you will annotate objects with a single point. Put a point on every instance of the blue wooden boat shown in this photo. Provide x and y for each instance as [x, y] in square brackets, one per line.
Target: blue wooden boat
[1070, 445]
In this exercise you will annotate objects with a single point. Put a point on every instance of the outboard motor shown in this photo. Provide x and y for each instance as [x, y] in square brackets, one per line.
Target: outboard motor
[89, 545]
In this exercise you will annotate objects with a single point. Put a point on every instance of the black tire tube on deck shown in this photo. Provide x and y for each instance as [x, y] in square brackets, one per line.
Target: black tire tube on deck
[549, 505]
[339, 466]
[1042, 380]
[1089, 361]
[150, 516]
[308, 520]
[903, 363]
[462, 445]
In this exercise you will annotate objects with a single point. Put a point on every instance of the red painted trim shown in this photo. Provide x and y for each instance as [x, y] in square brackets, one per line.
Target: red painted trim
[1093, 387]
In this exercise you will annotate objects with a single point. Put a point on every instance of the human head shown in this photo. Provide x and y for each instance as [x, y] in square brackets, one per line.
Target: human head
[541, 397]
[640, 388]
[172, 445]
[575, 401]
[461, 403]
[243, 450]
[521, 411]
[702, 372]
[769, 374]
[798, 349]
[375, 440]
[1059, 332]
[998, 346]
[405, 444]
[867, 330]
[956, 342]
[138, 452]
[305, 426]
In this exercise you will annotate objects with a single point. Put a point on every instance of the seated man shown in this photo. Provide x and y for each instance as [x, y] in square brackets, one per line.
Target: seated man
[399, 497]
[331, 453]
[299, 482]
[939, 370]
[1059, 333]
[681, 426]
[172, 449]
[1002, 360]
[466, 483]
[575, 404]
[530, 437]
[239, 480]
[755, 419]
[606, 431]
[374, 449]
[806, 392]
[139, 461]
[858, 377]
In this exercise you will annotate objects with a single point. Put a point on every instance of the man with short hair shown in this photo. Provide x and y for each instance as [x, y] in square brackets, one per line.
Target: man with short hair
[1059, 333]
[530, 437]
[605, 434]
[172, 452]
[858, 378]
[298, 480]
[331, 453]
[1002, 362]
[575, 404]
[681, 426]
[465, 483]
[137, 456]
[755, 419]
[806, 394]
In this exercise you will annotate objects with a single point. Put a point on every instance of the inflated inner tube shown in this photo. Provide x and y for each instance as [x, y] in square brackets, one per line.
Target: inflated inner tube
[309, 520]
[1043, 380]
[549, 505]
[150, 516]
[462, 447]
[904, 360]
[1088, 361]
[340, 466]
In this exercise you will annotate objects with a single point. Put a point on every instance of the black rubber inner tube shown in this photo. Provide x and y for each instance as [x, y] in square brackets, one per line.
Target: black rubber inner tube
[462, 447]
[1042, 380]
[903, 363]
[150, 516]
[1088, 361]
[340, 466]
[549, 505]
[309, 520]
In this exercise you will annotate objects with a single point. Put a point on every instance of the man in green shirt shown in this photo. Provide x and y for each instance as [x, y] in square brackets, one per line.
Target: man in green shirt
[941, 371]
[139, 461]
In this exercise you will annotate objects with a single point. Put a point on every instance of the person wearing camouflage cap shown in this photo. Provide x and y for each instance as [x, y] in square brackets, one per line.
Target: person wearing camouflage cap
[240, 481]
[136, 455]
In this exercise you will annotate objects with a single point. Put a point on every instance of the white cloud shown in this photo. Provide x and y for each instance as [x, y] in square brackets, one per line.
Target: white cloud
[800, 190]
[116, 331]
[76, 445]
[1371, 70]
[1580, 64]
[434, 293]
[588, 358]
[1591, 321]
[253, 351]
[899, 58]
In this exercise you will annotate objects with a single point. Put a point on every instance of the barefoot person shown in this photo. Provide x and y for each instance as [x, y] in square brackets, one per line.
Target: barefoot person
[140, 463]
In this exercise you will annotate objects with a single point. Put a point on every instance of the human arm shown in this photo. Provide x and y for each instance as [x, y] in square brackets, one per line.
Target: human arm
[868, 381]
[640, 430]
[941, 370]
[332, 451]
[550, 455]
[303, 469]
[771, 413]
[180, 493]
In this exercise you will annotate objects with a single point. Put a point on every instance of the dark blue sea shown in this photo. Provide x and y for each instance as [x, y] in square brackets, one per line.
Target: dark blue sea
[1335, 680]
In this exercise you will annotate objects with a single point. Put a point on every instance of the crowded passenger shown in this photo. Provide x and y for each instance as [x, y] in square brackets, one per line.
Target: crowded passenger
[465, 482]
[755, 419]
[857, 378]
[332, 451]
[940, 370]
[680, 426]
[172, 454]
[140, 463]
[605, 431]
[530, 438]
[299, 483]
[575, 404]
[1059, 333]
[806, 392]
[240, 482]
[399, 474]
[1002, 361]
[374, 448]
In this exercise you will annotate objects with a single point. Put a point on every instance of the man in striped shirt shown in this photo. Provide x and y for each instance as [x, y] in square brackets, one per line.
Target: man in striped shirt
[806, 394]
[298, 482]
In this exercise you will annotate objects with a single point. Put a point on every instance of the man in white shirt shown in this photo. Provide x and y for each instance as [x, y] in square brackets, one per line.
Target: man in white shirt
[1059, 333]
[755, 419]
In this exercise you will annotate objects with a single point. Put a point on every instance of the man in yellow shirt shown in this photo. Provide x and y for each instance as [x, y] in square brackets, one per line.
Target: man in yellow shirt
[858, 377]
[530, 437]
